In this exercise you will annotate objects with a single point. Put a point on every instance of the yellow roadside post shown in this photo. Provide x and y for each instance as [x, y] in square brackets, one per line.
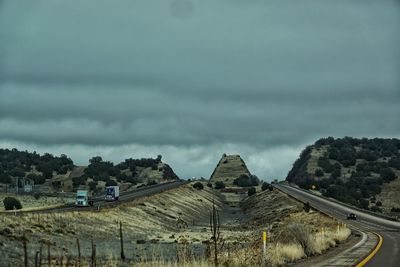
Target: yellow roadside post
[264, 247]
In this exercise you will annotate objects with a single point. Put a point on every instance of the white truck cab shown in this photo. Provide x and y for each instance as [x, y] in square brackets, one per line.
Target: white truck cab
[83, 198]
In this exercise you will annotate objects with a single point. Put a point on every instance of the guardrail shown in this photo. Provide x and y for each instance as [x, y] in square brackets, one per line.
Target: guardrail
[304, 203]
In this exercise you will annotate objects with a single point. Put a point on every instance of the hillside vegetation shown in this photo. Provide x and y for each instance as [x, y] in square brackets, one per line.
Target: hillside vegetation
[232, 171]
[60, 173]
[361, 172]
[14, 163]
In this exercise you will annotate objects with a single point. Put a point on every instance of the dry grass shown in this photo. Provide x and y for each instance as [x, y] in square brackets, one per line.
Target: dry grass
[163, 218]
[328, 238]
[312, 163]
[389, 196]
[30, 203]
[156, 218]
[304, 243]
[278, 254]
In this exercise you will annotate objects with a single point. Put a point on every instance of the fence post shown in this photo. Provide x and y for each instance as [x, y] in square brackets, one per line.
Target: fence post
[93, 254]
[25, 250]
[79, 252]
[48, 254]
[122, 241]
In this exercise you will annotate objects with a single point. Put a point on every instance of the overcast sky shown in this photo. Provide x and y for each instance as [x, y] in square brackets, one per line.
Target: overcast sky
[193, 79]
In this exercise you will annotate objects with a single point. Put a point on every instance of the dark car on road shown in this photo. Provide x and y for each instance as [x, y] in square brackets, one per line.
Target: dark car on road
[351, 216]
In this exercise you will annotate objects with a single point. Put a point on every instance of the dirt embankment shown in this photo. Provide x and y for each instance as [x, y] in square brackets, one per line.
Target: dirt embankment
[158, 225]
[294, 232]
[157, 219]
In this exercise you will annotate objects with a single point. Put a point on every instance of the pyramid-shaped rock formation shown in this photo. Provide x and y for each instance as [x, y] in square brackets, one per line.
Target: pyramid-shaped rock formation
[229, 168]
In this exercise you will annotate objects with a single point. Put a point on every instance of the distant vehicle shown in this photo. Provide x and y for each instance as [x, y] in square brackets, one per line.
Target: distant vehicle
[83, 198]
[112, 193]
[351, 216]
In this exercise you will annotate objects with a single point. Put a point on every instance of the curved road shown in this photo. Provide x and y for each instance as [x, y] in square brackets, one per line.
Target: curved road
[388, 255]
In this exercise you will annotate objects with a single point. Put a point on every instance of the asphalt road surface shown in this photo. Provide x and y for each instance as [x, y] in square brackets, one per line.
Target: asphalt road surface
[388, 255]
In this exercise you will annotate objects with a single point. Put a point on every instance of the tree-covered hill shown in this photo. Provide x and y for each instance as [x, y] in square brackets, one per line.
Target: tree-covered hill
[361, 172]
[131, 171]
[59, 172]
[14, 163]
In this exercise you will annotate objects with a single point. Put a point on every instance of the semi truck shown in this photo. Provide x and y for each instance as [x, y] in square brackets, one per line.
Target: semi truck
[83, 198]
[112, 193]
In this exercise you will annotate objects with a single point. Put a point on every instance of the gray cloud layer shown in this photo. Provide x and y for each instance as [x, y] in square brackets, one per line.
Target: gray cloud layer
[197, 78]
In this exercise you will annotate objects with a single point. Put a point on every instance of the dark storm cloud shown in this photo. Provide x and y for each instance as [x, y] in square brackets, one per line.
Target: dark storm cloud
[197, 77]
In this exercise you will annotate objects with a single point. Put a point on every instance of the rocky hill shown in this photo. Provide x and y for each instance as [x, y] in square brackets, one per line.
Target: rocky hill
[229, 168]
[51, 173]
[362, 172]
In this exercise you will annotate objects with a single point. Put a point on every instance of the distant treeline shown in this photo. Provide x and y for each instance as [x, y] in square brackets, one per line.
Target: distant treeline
[39, 168]
[14, 163]
[126, 171]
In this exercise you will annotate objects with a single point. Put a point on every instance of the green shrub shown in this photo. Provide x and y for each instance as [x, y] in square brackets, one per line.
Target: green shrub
[154, 182]
[122, 177]
[219, 185]
[111, 183]
[92, 185]
[198, 186]
[80, 180]
[209, 184]
[376, 209]
[364, 204]
[395, 209]
[251, 191]
[132, 180]
[56, 184]
[271, 188]
[246, 181]
[11, 203]
[325, 164]
[319, 173]
[388, 174]
[264, 186]
[5, 178]
[395, 163]
[37, 179]
[307, 207]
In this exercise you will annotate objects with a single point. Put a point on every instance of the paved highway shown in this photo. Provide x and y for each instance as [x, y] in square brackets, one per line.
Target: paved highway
[389, 253]
[99, 202]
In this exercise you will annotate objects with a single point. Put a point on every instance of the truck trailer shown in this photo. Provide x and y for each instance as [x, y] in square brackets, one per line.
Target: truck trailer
[112, 193]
